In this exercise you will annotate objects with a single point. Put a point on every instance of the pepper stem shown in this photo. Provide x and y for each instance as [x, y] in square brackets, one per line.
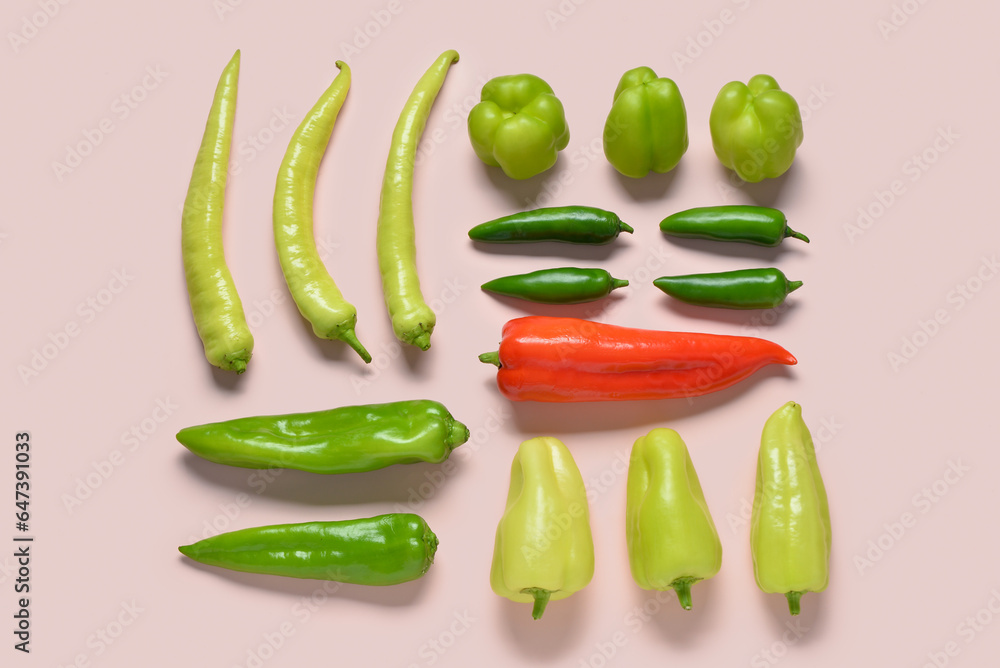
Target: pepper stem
[789, 232]
[457, 435]
[541, 600]
[618, 283]
[683, 588]
[350, 338]
[491, 358]
[625, 227]
[793, 601]
[794, 285]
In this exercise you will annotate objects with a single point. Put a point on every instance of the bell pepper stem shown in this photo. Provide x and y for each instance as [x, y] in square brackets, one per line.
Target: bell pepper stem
[683, 588]
[458, 434]
[491, 358]
[794, 285]
[541, 600]
[793, 601]
[789, 232]
[618, 283]
[350, 338]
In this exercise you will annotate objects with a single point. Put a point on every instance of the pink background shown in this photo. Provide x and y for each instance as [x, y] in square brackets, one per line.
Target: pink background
[888, 433]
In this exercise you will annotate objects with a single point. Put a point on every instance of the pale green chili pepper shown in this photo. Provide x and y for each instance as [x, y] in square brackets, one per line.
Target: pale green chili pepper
[317, 296]
[215, 304]
[412, 319]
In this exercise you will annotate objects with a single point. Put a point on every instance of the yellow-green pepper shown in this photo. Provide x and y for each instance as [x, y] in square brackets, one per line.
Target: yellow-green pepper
[519, 126]
[672, 541]
[647, 127]
[790, 522]
[756, 128]
[544, 550]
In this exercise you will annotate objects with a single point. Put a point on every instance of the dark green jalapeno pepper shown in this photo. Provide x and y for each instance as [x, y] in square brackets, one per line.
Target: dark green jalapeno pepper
[340, 440]
[564, 285]
[383, 550]
[759, 225]
[742, 289]
[570, 224]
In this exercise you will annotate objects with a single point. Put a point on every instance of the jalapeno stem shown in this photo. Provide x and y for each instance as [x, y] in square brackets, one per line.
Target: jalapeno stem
[789, 232]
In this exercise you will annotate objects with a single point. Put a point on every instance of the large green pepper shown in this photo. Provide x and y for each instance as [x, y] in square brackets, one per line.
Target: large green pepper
[340, 440]
[647, 127]
[790, 521]
[544, 550]
[384, 550]
[756, 128]
[519, 126]
[672, 541]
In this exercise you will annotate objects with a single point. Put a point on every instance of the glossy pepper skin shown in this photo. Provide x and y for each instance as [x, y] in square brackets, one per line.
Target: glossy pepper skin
[543, 550]
[383, 550]
[215, 304]
[317, 297]
[562, 285]
[519, 125]
[569, 224]
[672, 540]
[790, 521]
[647, 127]
[758, 225]
[544, 358]
[740, 289]
[413, 320]
[756, 128]
[342, 440]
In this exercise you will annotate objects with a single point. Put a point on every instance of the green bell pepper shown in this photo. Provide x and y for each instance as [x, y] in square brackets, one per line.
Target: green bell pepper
[672, 540]
[519, 126]
[790, 519]
[756, 128]
[544, 549]
[647, 127]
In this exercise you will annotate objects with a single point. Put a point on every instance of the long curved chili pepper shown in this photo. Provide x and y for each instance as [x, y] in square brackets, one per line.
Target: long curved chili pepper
[412, 319]
[567, 359]
[316, 295]
[215, 304]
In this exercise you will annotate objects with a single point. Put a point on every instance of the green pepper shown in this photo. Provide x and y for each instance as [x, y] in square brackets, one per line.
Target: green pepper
[544, 550]
[741, 289]
[570, 224]
[790, 518]
[519, 126]
[383, 550]
[647, 127]
[672, 541]
[564, 285]
[758, 225]
[341, 440]
[756, 128]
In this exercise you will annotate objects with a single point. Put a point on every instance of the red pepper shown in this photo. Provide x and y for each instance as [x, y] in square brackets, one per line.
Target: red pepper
[568, 359]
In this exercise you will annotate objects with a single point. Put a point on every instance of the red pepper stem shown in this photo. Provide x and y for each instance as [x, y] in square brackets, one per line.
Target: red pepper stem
[793, 601]
[789, 232]
[491, 358]
[794, 285]
[541, 600]
[683, 588]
